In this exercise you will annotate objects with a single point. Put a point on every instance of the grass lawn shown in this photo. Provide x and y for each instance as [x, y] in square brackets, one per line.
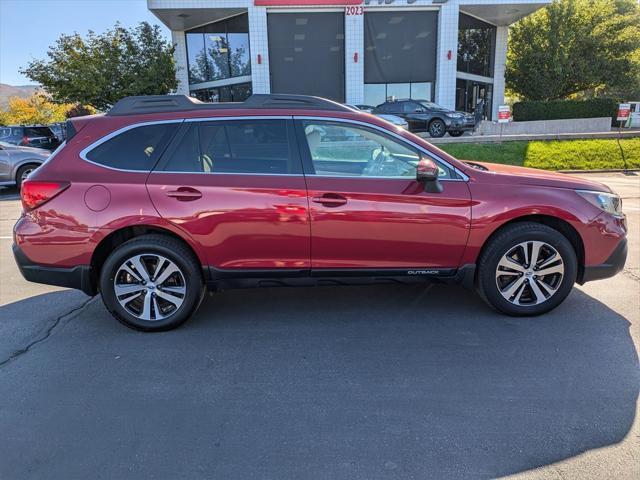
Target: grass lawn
[552, 155]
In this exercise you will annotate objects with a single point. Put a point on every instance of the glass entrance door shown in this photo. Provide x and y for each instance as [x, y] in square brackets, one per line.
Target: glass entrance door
[474, 97]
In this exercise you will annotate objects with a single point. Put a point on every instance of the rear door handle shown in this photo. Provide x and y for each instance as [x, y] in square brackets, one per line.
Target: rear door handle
[185, 194]
[330, 200]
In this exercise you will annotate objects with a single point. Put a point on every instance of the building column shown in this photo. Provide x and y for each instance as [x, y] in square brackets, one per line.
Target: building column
[354, 59]
[500, 60]
[259, 46]
[180, 57]
[446, 68]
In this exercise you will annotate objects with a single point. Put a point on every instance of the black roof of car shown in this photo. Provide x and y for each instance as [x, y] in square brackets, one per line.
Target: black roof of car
[182, 103]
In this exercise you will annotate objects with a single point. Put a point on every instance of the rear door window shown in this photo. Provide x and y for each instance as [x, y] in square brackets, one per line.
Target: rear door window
[38, 132]
[138, 148]
[242, 146]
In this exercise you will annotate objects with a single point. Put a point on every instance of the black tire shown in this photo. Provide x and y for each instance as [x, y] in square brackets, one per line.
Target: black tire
[169, 248]
[437, 128]
[456, 133]
[22, 170]
[507, 239]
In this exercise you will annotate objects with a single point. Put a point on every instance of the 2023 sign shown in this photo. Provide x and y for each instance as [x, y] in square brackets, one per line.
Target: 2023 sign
[354, 10]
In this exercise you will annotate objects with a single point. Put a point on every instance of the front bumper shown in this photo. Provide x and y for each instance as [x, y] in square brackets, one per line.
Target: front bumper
[611, 266]
[79, 277]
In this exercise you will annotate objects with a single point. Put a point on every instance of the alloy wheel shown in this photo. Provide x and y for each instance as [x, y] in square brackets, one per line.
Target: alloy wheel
[150, 287]
[529, 273]
[25, 174]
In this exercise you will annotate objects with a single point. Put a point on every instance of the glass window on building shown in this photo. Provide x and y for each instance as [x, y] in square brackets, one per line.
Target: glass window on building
[238, 92]
[400, 55]
[476, 46]
[377, 93]
[219, 50]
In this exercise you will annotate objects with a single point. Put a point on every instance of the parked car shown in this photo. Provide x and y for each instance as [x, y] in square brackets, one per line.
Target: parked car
[16, 163]
[29, 136]
[425, 116]
[398, 121]
[59, 130]
[162, 197]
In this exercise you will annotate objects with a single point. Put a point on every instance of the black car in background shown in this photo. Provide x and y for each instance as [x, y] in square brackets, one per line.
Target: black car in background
[426, 116]
[30, 136]
[60, 130]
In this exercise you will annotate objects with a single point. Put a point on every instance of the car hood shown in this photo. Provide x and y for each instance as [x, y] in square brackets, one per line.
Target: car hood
[533, 176]
[39, 151]
[392, 118]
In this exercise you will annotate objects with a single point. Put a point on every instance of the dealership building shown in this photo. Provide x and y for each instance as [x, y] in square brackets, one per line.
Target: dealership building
[452, 52]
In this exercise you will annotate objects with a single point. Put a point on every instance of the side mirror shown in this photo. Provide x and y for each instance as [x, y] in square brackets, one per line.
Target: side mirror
[427, 173]
[419, 110]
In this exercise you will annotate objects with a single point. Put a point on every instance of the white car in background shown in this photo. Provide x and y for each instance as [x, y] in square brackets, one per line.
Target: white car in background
[397, 121]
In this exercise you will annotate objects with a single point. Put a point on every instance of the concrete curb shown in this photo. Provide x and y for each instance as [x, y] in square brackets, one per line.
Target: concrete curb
[601, 170]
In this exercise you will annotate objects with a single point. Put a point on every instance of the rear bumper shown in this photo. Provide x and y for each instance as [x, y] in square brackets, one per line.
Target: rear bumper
[613, 265]
[79, 277]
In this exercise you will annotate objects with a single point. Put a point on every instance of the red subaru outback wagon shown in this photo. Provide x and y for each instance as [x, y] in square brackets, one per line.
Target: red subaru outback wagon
[165, 196]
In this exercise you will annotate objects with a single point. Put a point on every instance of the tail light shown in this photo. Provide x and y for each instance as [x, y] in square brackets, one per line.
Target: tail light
[24, 141]
[35, 194]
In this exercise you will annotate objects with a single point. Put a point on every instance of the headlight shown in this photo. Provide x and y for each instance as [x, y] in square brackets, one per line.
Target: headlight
[455, 115]
[608, 202]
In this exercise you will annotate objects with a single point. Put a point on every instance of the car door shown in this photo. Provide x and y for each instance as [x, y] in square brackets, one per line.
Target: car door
[5, 165]
[367, 209]
[236, 186]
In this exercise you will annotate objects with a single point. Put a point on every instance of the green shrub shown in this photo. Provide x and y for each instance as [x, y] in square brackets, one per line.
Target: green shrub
[561, 109]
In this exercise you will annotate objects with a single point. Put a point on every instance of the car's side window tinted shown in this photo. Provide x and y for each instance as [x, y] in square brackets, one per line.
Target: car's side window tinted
[242, 146]
[135, 149]
[409, 107]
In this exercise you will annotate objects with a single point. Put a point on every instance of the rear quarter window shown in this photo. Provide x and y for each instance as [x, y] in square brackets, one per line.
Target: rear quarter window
[38, 132]
[137, 148]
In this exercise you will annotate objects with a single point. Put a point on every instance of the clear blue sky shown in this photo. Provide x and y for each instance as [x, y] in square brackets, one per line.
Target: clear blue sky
[28, 27]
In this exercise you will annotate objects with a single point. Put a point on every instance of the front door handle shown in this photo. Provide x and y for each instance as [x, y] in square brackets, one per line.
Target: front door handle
[185, 194]
[330, 200]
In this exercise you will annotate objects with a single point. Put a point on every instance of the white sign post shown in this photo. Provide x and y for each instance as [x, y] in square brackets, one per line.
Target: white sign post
[624, 113]
[504, 116]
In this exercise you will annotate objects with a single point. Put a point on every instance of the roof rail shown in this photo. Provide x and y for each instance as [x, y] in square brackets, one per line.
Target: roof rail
[183, 103]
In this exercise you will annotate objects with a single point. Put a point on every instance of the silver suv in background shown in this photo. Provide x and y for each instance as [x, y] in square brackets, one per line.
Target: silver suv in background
[16, 163]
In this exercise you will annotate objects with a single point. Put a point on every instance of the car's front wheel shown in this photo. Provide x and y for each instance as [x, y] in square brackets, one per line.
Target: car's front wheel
[437, 128]
[151, 283]
[527, 269]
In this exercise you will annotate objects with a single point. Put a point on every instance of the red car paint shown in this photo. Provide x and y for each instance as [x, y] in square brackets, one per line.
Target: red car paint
[297, 222]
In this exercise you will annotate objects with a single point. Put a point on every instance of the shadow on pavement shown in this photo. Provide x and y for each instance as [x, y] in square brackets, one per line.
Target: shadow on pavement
[347, 382]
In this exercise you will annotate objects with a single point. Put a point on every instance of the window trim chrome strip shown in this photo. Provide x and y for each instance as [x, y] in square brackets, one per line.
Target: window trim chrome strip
[86, 150]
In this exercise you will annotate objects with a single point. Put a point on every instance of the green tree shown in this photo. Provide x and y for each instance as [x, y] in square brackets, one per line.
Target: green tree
[100, 69]
[576, 47]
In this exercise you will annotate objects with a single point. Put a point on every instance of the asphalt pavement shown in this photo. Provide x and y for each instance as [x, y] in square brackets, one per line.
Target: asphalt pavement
[367, 382]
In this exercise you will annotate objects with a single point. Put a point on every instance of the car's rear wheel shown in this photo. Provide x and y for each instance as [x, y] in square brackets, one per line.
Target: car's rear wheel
[23, 172]
[527, 269]
[151, 283]
[437, 128]
[456, 133]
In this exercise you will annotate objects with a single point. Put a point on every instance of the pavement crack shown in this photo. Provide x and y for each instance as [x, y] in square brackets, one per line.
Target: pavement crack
[48, 332]
[631, 275]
